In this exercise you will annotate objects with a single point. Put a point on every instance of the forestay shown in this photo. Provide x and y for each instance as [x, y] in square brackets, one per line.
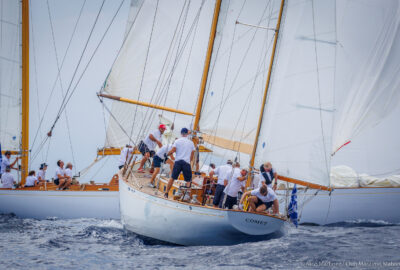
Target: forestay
[161, 62]
[237, 76]
[10, 75]
[297, 124]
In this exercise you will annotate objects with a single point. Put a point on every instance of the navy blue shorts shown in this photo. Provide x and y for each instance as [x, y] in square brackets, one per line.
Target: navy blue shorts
[267, 204]
[158, 161]
[144, 149]
[184, 167]
[219, 195]
[230, 201]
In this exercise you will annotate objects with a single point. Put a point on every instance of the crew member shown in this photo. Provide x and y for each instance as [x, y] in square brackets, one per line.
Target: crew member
[41, 175]
[60, 178]
[149, 144]
[262, 199]
[125, 156]
[7, 179]
[68, 174]
[6, 162]
[184, 149]
[31, 180]
[234, 185]
[268, 175]
[160, 158]
[222, 171]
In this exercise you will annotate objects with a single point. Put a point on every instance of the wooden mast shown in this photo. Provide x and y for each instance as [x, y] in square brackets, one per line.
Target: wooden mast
[253, 154]
[25, 92]
[207, 65]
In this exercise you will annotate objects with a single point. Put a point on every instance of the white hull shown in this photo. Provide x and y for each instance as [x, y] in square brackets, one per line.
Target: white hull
[60, 204]
[185, 224]
[349, 204]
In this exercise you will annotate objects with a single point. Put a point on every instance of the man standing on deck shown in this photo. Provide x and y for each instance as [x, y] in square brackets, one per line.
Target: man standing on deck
[234, 185]
[6, 162]
[149, 144]
[184, 149]
[223, 172]
[125, 156]
[160, 158]
[267, 176]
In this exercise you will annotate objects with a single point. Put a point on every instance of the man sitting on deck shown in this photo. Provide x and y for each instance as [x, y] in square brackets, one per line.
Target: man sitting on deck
[234, 185]
[222, 171]
[7, 179]
[184, 149]
[147, 146]
[160, 158]
[68, 173]
[261, 199]
[31, 180]
[60, 179]
[267, 175]
[41, 175]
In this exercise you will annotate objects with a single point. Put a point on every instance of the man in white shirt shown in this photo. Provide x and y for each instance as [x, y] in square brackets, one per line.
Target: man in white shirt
[60, 178]
[261, 199]
[223, 172]
[234, 185]
[184, 149]
[159, 158]
[7, 179]
[125, 156]
[148, 145]
[31, 180]
[41, 175]
[68, 174]
[6, 162]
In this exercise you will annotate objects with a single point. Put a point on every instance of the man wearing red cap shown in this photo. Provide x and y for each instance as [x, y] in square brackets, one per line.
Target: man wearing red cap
[149, 144]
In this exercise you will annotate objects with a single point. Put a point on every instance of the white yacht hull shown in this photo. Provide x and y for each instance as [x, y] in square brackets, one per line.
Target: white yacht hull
[60, 204]
[185, 224]
[349, 204]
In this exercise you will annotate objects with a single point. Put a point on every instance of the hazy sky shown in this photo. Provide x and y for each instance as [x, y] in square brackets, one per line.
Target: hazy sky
[85, 114]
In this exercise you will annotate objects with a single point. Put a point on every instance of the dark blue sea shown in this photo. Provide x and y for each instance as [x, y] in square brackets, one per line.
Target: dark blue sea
[104, 244]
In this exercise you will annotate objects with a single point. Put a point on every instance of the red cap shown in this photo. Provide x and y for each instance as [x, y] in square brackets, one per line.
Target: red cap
[162, 126]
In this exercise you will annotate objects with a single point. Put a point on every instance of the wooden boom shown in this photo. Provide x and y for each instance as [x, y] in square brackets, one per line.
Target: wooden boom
[145, 104]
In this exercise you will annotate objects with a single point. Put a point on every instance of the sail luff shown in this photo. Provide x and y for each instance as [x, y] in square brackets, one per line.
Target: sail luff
[253, 154]
[25, 92]
[207, 64]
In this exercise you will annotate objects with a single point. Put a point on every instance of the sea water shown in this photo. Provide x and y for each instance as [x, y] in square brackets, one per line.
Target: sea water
[104, 244]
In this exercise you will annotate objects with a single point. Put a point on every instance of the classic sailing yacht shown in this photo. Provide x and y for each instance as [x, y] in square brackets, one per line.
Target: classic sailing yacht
[81, 201]
[317, 82]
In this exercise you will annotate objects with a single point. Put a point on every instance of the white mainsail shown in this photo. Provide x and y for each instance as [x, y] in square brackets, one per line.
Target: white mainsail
[237, 76]
[296, 128]
[368, 66]
[161, 63]
[10, 75]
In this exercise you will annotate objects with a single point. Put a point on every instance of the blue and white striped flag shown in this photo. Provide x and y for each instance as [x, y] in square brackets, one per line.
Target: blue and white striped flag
[292, 209]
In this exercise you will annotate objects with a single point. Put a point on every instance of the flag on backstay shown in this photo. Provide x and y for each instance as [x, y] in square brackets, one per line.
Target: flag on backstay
[292, 209]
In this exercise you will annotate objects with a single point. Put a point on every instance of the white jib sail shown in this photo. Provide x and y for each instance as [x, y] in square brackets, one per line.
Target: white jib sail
[161, 62]
[296, 128]
[10, 74]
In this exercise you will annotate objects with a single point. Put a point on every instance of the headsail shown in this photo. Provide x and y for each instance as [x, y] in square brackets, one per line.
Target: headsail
[160, 63]
[296, 129]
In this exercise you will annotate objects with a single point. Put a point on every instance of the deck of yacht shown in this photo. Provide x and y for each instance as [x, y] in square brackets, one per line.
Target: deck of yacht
[140, 181]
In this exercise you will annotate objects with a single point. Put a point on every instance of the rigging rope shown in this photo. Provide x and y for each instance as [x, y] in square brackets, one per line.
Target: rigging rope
[145, 65]
[58, 74]
[61, 85]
